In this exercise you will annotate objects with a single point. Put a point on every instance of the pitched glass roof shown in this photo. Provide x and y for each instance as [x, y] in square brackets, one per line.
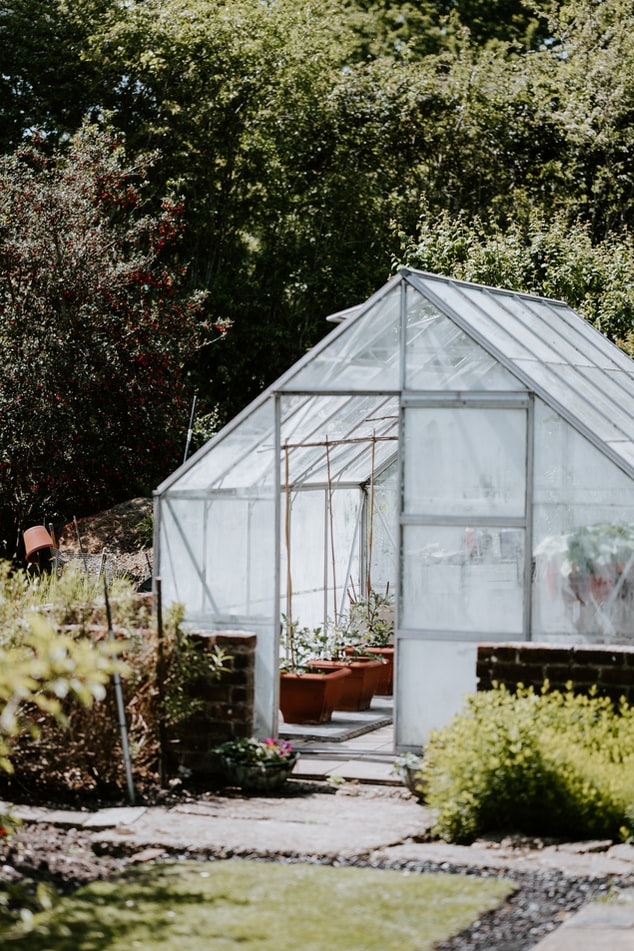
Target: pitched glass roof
[338, 405]
[553, 351]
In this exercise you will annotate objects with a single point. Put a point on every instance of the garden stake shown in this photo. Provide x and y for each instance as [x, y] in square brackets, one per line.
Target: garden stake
[84, 560]
[160, 681]
[189, 431]
[120, 707]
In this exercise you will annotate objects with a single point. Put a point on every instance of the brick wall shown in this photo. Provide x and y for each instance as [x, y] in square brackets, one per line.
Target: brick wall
[611, 669]
[227, 710]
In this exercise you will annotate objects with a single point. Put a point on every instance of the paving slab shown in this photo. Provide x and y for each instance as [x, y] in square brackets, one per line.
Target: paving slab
[599, 926]
[114, 817]
[578, 864]
[319, 825]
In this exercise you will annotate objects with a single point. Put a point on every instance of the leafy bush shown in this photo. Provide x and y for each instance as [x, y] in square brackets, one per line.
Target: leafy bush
[555, 764]
[56, 659]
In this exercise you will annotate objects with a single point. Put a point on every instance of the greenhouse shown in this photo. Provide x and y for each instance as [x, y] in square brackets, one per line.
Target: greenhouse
[467, 449]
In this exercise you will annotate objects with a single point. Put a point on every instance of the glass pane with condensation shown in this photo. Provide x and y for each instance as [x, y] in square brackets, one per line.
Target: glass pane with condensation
[362, 354]
[242, 455]
[432, 680]
[586, 339]
[581, 398]
[465, 461]
[320, 554]
[462, 579]
[440, 356]
[583, 538]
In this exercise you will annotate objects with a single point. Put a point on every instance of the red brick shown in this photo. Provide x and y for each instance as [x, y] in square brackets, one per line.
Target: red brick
[544, 654]
[616, 675]
[597, 655]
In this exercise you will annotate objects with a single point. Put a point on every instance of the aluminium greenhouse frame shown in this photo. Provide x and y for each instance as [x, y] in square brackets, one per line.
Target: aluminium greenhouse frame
[494, 425]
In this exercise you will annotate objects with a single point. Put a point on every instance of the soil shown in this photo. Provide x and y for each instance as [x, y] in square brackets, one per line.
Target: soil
[116, 535]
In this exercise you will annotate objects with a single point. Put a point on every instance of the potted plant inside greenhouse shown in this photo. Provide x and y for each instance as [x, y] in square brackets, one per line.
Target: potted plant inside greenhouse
[335, 649]
[594, 561]
[307, 695]
[372, 630]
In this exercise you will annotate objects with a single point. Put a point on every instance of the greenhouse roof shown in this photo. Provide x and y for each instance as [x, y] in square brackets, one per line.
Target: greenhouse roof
[420, 333]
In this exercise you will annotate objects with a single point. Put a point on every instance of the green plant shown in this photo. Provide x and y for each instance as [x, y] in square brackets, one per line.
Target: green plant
[555, 764]
[372, 619]
[188, 670]
[409, 767]
[145, 531]
[265, 906]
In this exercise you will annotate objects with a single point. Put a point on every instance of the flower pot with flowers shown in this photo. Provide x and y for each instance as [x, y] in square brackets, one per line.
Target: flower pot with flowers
[307, 695]
[257, 765]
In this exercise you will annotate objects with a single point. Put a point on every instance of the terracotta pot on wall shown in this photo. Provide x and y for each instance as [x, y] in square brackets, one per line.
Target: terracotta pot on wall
[38, 545]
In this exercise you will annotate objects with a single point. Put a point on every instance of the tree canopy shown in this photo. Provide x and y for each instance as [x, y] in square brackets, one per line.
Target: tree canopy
[94, 331]
[315, 146]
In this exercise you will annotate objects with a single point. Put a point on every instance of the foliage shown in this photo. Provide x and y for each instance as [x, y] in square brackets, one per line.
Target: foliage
[546, 255]
[555, 764]
[307, 141]
[372, 620]
[57, 744]
[252, 750]
[301, 644]
[591, 548]
[94, 330]
[168, 904]
[41, 667]
[188, 671]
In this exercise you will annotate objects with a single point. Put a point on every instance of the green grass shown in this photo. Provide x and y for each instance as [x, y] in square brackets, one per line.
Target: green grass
[260, 906]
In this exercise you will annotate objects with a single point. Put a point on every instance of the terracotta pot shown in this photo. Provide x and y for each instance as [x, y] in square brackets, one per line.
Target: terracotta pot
[37, 540]
[385, 686]
[310, 697]
[360, 687]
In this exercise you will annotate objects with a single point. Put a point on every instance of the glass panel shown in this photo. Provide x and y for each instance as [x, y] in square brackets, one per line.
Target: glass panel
[465, 461]
[241, 455]
[321, 563]
[351, 429]
[432, 680]
[363, 354]
[181, 545]
[596, 348]
[382, 535]
[583, 538]
[440, 356]
[462, 579]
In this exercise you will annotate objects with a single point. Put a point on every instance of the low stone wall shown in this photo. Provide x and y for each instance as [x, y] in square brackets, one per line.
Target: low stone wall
[609, 668]
[227, 709]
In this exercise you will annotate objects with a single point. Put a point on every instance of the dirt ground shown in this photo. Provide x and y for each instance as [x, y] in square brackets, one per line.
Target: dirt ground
[118, 534]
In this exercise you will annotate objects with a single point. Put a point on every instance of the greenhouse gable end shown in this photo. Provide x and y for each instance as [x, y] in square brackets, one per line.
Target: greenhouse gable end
[468, 449]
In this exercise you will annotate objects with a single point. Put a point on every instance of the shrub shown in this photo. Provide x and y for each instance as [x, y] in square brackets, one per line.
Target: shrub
[59, 741]
[555, 764]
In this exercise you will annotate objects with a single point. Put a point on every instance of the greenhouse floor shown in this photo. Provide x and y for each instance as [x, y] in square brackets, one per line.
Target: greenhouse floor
[353, 746]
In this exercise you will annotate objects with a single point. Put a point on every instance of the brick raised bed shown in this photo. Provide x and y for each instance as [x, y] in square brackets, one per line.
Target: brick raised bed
[610, 669]
[228, 709]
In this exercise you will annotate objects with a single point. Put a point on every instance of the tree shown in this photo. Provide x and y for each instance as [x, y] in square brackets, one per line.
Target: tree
[94, 330]
[551, 256]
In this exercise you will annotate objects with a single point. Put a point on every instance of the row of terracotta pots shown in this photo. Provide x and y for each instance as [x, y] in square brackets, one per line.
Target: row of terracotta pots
[330, 685]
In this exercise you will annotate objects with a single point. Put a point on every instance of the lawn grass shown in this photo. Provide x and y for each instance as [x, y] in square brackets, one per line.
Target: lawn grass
[264, 906]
